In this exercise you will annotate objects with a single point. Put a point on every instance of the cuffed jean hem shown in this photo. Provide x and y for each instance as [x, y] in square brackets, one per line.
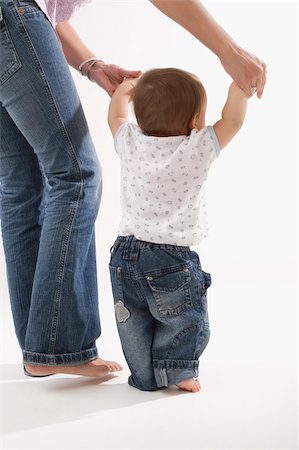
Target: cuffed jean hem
[142, 387]
[169, 372]
[70, 359]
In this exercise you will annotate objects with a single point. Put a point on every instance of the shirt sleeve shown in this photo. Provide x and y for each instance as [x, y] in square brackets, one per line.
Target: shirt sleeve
[120, 138]
[204, 146]
[214, 140]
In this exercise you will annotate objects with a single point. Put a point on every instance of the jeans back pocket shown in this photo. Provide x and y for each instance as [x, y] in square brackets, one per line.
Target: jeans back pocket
[10, 61]
[171, 291]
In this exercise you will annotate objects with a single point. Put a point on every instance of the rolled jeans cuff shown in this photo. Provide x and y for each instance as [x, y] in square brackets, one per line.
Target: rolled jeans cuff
[142, 387]
[70, 359]
[169, 372]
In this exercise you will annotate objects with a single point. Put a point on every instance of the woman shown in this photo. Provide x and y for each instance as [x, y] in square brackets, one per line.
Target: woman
[50, 178]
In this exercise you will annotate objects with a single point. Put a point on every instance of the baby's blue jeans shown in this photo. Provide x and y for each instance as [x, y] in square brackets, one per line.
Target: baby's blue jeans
[161, 312]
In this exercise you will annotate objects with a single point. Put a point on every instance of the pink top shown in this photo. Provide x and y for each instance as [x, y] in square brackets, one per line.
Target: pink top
[60, 10]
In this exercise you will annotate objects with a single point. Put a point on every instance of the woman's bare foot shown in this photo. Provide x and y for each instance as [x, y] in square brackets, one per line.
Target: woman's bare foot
[96, 368]
[190, 385]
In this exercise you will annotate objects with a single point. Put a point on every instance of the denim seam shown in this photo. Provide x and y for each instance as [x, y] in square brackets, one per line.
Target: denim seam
[60, 276]
[16, 64]
[178, 336]
[162, 271]
[166, 313]
[170, 364]
[143, 298]
[51, 359]
[120, 289]
[120, 286]
[62, 128]
[169, 290]
[139, 291]
[130, 266]
[163, 370]
[163, 375]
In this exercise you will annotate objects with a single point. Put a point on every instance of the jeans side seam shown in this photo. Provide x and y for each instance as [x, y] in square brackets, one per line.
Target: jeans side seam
[50, 98]
[60, 276]
[139, 291]
[177, 337]
[16, 64]
[170, 372]
[76, 197]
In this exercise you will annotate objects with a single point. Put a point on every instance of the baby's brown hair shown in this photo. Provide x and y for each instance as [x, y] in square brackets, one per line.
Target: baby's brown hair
[166, 100]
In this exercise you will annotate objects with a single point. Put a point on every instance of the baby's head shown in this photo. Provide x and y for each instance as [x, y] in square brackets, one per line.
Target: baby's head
[169, 102]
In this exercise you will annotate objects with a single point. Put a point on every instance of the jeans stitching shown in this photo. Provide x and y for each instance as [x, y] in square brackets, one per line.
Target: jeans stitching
[121, 294]
[60, 276]
[143, 298]
[36, 358]
[162, 271]
[177, 337]
[77, 193]
[16, 64]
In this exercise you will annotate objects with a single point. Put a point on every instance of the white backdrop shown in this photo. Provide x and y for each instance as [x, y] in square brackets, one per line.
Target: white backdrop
[252, 186]
[251, 249]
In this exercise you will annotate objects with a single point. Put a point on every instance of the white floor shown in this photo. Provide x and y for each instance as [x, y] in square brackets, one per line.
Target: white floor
[248, 398]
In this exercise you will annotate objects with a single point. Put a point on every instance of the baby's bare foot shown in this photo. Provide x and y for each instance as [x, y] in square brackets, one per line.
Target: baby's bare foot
[190, 385]
[96, 368]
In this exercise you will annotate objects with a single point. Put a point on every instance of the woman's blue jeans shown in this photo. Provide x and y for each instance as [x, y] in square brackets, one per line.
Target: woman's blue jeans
[50, 190]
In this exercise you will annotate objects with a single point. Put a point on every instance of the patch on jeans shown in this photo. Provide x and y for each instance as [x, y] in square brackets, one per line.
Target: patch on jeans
[121, 312]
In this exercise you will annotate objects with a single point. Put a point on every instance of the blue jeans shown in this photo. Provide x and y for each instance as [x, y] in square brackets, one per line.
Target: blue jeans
[161, 312]
[50, 190]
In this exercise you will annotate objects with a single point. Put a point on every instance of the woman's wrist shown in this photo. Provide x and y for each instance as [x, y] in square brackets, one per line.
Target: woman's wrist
[93, 68]
[86, 66]
[227, 51]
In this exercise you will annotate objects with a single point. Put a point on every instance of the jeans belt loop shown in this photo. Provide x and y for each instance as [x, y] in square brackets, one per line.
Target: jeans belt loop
[131, 249]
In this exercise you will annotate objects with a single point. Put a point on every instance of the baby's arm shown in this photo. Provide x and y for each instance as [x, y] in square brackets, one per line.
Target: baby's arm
[119, 104]
[233, 115]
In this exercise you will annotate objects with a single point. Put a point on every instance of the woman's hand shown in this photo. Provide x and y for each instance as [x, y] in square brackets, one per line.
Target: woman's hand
[110, 76]
[247, 70]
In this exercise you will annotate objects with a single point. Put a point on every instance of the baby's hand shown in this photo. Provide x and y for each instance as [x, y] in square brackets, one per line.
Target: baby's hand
[127, 86]
[132, 81]
[235, 90]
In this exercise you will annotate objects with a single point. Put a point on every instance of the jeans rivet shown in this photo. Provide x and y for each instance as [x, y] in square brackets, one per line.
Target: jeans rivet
[149, 278]
[21, 11]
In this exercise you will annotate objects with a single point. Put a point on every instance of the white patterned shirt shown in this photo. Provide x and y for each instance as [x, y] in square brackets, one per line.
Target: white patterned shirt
[162, 184]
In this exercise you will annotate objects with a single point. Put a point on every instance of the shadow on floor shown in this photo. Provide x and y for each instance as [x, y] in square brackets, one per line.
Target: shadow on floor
[29, 403]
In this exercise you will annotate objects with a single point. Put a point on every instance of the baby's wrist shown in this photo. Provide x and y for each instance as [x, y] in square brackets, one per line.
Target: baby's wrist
[236, 90]
[125, 87]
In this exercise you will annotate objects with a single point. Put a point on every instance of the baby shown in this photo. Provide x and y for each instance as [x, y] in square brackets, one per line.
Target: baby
[159, 287]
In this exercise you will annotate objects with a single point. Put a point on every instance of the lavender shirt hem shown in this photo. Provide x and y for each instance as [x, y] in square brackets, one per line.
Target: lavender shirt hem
[58, 11]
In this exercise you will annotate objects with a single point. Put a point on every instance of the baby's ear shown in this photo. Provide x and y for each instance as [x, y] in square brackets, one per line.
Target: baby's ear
[193, 121]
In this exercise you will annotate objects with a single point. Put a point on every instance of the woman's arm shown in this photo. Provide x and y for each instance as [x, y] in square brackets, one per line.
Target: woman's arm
[74, 49]
[246, 69]
[108, 76]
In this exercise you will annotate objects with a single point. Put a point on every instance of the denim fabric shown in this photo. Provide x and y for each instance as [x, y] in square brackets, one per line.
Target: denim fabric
[50, 190]
[161, 312]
